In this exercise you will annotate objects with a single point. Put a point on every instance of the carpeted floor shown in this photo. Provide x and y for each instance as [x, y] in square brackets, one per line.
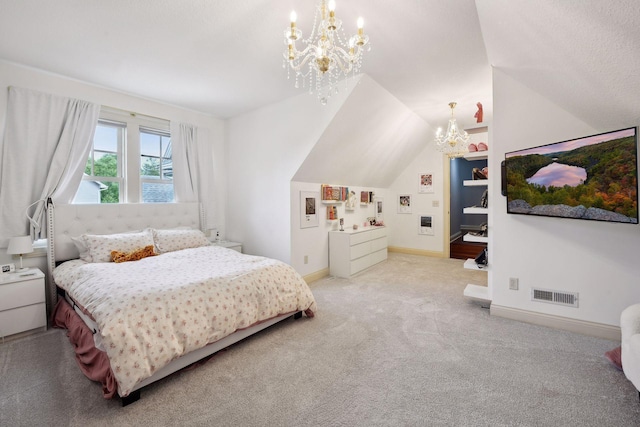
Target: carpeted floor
[395, 346]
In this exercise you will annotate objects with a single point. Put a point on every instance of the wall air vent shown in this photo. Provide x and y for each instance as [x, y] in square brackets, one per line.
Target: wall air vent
[569, 299]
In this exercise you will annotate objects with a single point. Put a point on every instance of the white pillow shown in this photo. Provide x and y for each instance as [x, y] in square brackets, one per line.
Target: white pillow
[99, 246]
[178, 239]
[81, 246]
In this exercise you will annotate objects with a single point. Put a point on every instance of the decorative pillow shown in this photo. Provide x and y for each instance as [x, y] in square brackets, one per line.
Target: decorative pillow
[175, 239]
[147, 251]
[100, 245]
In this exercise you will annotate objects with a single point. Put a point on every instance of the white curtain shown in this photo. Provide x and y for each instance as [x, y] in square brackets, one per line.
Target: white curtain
[44, 152]
[186, 171]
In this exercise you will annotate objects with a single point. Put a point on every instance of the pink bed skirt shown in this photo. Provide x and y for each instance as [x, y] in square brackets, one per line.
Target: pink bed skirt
[93, 363]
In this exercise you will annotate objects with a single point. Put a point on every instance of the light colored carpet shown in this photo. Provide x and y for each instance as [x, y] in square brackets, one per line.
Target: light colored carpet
[396, 345]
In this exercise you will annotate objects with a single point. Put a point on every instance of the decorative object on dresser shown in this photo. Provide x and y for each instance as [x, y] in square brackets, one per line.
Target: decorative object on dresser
[22, 302]
[19, 246]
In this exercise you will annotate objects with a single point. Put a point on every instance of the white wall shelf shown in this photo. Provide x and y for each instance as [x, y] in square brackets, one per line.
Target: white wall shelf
[477, 239]
[475, 210]
[475, 182]
[477, 155]
[477, 292]
[470, 264]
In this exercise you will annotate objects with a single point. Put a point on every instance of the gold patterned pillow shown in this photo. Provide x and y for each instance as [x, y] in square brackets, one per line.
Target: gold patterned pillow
[147, 251]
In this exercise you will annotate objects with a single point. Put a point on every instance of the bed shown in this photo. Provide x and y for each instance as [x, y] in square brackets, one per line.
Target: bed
[178, 301]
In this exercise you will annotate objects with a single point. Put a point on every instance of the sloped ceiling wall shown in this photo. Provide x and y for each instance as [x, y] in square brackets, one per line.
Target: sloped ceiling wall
[583, 55]
[368, 143]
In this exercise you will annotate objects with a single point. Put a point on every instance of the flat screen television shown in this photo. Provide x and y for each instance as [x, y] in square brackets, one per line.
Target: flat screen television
[593, 178]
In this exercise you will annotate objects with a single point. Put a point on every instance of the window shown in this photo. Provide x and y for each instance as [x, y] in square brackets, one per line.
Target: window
[129, 162]
[156, 167]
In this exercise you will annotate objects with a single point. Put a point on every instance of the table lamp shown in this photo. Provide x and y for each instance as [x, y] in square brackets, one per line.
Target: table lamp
[20, 245]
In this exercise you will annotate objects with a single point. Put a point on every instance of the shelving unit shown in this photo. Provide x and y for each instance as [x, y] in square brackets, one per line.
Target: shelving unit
[471, 291]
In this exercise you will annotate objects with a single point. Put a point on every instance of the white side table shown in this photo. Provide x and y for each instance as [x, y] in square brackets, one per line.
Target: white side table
[230, 245]
[22, 302]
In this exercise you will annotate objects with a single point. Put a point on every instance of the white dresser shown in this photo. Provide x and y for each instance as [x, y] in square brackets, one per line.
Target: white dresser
[351, 251]
[22, 302]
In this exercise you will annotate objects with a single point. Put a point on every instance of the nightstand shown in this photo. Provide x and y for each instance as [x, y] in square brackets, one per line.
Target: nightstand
[22, 302]
[231, 245]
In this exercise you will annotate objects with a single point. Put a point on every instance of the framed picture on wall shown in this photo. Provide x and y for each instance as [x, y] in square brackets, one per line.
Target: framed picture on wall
[379, 209]
[404, 203]
[425, 183]
[425, 225]
[309, 204]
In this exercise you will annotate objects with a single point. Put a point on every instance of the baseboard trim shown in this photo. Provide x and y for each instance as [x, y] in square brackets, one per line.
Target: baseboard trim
[412, 251]
[309, 278]
[584, 327]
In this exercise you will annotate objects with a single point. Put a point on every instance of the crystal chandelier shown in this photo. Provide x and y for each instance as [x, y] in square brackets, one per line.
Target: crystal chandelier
[455, 142]
[327, 53]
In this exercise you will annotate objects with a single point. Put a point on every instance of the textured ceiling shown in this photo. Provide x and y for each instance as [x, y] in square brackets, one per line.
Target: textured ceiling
[225, 57]
[583, 55]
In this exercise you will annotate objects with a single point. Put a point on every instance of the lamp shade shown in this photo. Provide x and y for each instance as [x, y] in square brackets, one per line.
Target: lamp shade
[20, 245]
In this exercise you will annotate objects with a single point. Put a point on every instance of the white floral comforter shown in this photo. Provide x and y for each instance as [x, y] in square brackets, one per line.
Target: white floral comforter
[157, 309]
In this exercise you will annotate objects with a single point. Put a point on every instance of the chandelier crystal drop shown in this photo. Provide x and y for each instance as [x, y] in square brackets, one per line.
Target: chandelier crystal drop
[454, 142]
[326, 55]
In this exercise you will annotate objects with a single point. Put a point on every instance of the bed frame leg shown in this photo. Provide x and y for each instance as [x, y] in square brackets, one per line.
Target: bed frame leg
[297, 315]
[134, 396]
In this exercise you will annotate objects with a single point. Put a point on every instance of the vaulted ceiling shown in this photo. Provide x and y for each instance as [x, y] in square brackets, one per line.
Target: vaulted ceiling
[224, 58]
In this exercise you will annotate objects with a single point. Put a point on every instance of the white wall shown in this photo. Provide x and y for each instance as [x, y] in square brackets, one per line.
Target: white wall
[211, 129]
[313, 242]
[598, 260]
[403, 231]
[265, 148]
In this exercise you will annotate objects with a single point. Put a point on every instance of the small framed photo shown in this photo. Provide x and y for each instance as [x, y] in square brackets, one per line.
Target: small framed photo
[404, 203]
[425, 183]
[309, 208]
[379, 209]
[425, 225]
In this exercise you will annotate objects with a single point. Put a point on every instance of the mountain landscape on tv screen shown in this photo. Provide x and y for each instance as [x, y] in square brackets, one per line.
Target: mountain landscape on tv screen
[597, 181]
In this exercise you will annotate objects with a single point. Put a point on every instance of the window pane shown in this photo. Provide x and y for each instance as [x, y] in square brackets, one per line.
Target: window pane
[156, 192]
[106, 164]
[167, 170]
[97, 192]
[149, 144]
[106, 137]
[110, 194]
[150, 167]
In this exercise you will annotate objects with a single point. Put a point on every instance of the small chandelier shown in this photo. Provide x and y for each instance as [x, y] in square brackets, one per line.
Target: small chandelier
[327, 53]
[455, 142]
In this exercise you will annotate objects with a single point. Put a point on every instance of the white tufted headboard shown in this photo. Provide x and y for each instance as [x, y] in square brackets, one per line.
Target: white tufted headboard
[66, 221]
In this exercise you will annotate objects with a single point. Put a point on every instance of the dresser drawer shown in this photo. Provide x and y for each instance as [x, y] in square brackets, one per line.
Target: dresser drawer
[19, 294]
[360, 250]
[378, 244]
[22, 319]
